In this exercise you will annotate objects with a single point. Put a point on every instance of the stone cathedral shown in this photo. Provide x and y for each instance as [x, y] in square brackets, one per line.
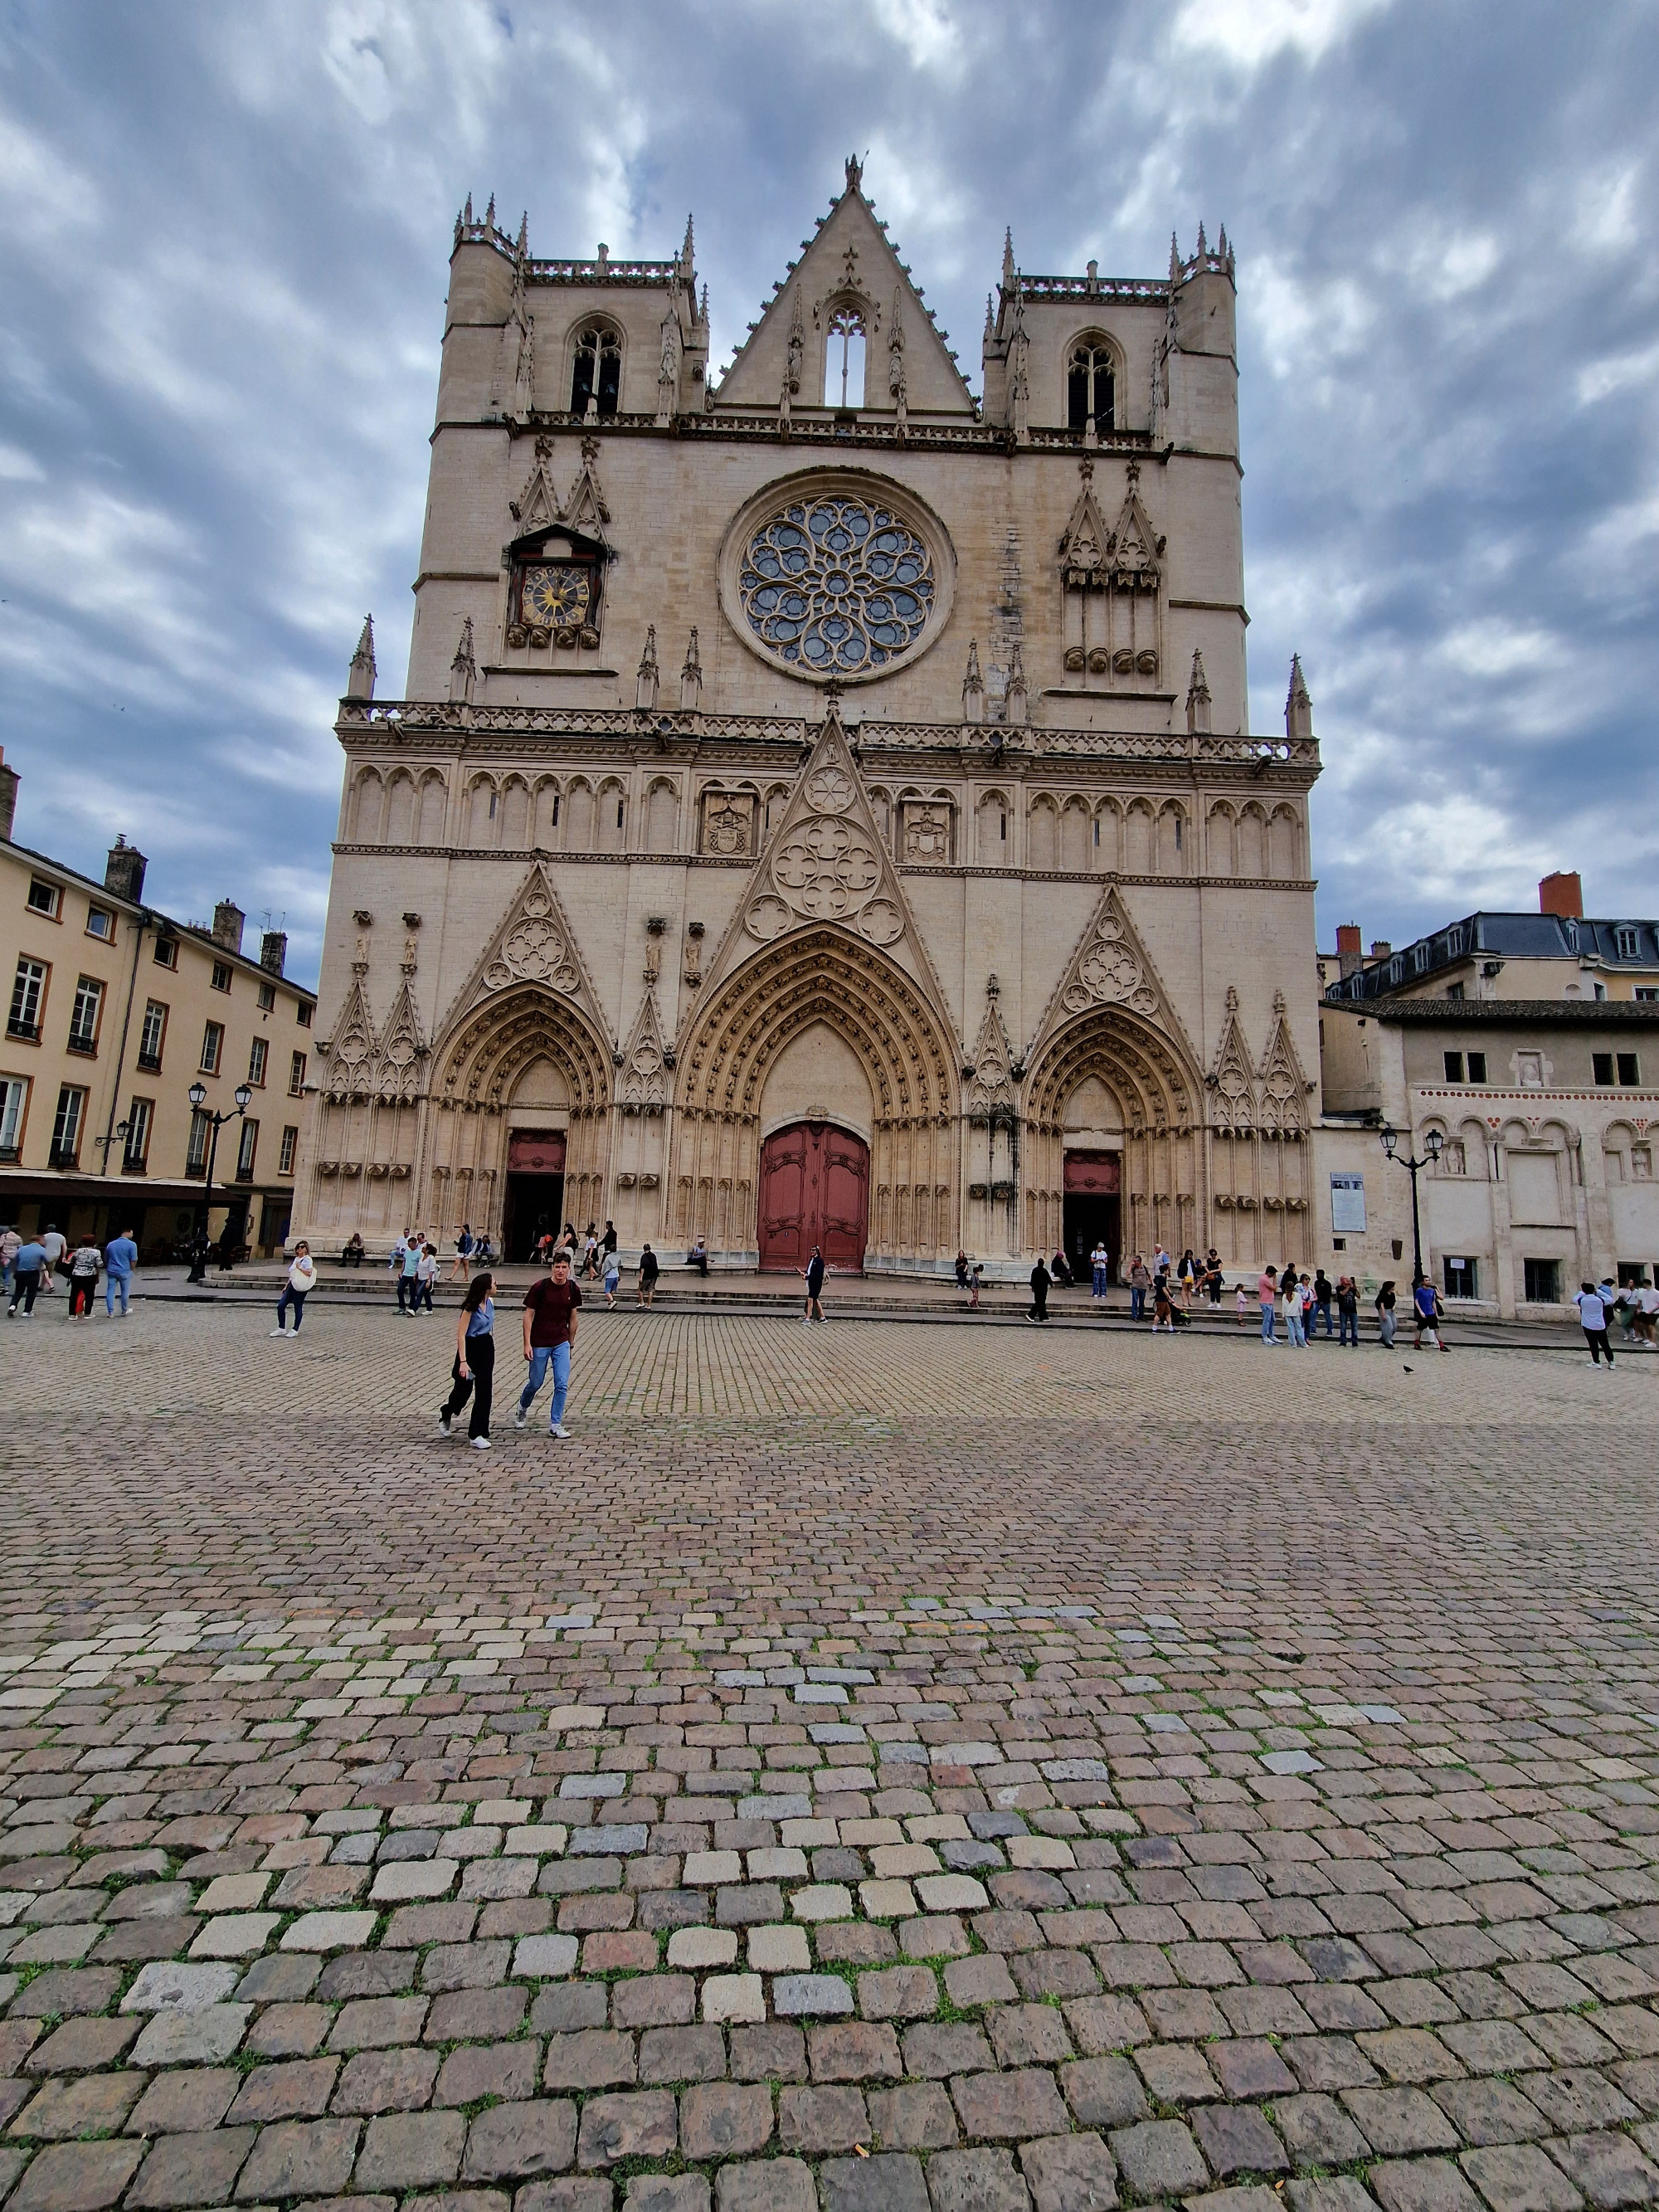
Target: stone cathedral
[823, 809]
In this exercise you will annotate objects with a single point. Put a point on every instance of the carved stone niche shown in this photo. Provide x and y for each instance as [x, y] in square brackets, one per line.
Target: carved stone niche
[929, 832]
[728, 824]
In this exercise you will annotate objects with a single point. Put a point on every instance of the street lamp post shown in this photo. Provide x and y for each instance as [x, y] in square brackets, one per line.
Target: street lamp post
[198, 1095]
[1412, 1165]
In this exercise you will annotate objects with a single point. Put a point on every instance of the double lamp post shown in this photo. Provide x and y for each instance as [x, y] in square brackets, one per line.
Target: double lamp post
[1412, 1165]
[198, 1095]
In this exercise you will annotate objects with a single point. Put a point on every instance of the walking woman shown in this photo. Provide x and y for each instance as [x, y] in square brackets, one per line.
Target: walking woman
[1385, 1301]
[475, 1361]
[302, 1281]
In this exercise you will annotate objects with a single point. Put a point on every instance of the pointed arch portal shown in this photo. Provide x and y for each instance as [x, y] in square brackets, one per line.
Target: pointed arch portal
[819, 977]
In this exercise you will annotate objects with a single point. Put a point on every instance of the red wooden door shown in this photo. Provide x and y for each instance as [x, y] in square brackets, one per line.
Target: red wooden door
[814, 1189]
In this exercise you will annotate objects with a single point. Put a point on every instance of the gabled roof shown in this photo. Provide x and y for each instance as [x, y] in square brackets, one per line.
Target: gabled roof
[850, 254]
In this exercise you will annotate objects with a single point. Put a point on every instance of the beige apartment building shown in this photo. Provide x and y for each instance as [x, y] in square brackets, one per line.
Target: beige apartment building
[115, 1011]
[822, 808]
[1525, 1046]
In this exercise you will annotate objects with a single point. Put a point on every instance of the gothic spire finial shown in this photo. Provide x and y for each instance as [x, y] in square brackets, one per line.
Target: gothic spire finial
[489, 214]
[1202, 248]
[854, 174]
[523, 246]
[1198, 699]
[466, 212]
[1175, 259]
[1008, 258]
[360, 684]
[1298, 706]
[687, 256]
[464, 669]
[990, 324]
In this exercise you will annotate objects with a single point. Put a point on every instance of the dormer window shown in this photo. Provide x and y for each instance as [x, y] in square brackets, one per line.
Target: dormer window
[596, 377]
[1091, 388]
[1626, 944]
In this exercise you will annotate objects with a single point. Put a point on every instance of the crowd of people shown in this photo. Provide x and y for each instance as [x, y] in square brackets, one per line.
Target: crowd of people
[31, 1266]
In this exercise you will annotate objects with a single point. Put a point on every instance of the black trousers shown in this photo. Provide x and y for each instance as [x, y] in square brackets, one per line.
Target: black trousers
[24, 1284]
[1598, 1341]
[479, 1384]
[1040, 1303]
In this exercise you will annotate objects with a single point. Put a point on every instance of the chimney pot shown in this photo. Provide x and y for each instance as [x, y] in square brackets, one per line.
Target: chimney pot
[1380, 948]
[227, 921]
[9, 780]
[1349, 952]
[1562, 894]
[273, 950]
[123, 870]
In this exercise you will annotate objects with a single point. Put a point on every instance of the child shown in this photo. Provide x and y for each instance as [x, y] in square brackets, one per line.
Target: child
[1243, 1305]
[974, 1281]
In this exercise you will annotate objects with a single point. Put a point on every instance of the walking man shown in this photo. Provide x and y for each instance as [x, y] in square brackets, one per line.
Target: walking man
[1593, 1314]
[1140, 1282]
[1040, 1279]
[1322, 1295]
[1098, 1263]
[54, 1243]
[1425, 1311]
[1347, 1311]
[409, 1274]
[551, 1313]
[120, 1258]
[649, 1271]
[26, 1271]
[814, 1287]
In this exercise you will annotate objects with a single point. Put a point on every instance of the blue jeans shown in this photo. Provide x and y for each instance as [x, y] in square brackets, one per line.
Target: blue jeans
[540, 1355]
[1136, 1304]
[112, 1284]
[1100, 1282]
[1347, 1328]
[1267, 1336]
[1322, 1307]
[1298, 1334]
[296, 1299]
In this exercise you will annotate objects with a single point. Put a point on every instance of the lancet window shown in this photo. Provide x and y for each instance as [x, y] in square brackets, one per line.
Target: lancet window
[1091, 388]
[596, 376]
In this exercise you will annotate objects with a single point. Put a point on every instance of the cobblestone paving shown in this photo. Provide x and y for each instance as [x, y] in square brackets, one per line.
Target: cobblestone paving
[868, 1767]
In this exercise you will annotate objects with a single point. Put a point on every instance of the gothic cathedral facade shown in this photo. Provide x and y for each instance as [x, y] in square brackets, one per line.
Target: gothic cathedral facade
[823, 809]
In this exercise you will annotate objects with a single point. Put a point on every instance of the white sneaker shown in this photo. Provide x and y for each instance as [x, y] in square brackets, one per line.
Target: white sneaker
[558, 1429]
[294, 1332]
[519, 1418]
[282, 1332]
[481, 1443]
[444, 1428]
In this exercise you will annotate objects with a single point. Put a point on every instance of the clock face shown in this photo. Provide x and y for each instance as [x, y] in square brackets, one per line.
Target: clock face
[558, 595]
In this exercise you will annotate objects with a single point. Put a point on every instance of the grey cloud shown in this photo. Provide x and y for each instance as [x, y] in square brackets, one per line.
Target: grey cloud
[223, 238]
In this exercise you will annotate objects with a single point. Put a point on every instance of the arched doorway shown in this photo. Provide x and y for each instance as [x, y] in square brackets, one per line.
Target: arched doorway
[814, 1189]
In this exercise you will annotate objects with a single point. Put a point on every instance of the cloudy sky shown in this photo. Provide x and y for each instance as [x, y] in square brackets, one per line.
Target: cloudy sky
[223, 242]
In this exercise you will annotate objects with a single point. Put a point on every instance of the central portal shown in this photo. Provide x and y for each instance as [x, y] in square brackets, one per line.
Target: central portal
[814, 1189]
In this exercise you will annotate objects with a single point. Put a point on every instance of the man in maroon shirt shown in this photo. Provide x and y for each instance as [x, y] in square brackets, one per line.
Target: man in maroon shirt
[550, 1318]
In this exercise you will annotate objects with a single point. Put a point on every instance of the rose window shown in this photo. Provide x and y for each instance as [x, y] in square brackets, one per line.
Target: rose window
[836, 586]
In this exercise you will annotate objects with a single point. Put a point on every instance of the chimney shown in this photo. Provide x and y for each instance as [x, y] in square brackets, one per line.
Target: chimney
[227, 920]
[273, 950]
[1349, 953]
[9, 780]
[1562, 895]
[1380, 948]
[123, 870]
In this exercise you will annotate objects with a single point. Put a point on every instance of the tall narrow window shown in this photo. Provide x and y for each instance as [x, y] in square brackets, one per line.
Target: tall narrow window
[66, 1126]
[596, 379]
[84, 1015]
[258, 1052]
[1091, 389]
[296, 1075]
[139, 1114]
[843, 359]
[196, 1151]
[28, 994]
[150, 1037]
[14, 1093]
[213, 1040]
[246, 1150]
[290, 1145]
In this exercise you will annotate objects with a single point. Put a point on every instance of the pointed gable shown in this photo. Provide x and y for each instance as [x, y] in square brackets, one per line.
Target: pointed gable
[1285, 1089]
[991, 1087]
[848, 261]
[828, 862]
[644, 1083]
[532, 944]
[1233, 1078]
[1134, 546]
[402, 1049]
[1110, 967]
[1083, 546]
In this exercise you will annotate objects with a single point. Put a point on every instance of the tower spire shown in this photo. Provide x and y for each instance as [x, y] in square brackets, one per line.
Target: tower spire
[1008, 258]
[1298, 706]
[360, 684]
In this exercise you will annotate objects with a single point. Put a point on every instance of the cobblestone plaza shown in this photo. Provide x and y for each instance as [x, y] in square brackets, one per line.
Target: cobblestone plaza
[887, 1765]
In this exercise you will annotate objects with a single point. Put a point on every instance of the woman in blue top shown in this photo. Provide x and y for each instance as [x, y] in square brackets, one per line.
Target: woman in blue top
[475, 1361]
